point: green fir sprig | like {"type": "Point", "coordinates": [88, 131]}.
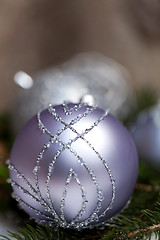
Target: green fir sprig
{"type": "Point", "coordinates": [121, 228]}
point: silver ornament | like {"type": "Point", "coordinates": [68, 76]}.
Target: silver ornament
{"type": "Point", "coordinates": [87, 77]}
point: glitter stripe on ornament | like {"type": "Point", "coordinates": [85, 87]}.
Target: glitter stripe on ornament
{"type": "Point", "coordinates": [75, 120]}
{"type": "Point", "coordinates": [93, 216]}
{"type": "Point", "coordinates": [108, 170]}
{"type": "Point", "coordinates": [68, 111]}
{"type": "Point", "coordinates": [13, 183]}
{"type": "Point", "coordinates": [100, 198]}
{"type": "Point", "coordinates": [22, 202]}
{"type": "Point", "coordinates": [41, 201]}
{"type": "Point", "coordinates": [71, 175]}
{"type": "Point", "coordinates": [35, 171]}
{"type": "Point", "coordinates": [21, 176]}
{"type": "Point", "coordinates": [54, 138]}
{"type": "Point", "coordinates": [58, 118]}
{"type": "Point", "coordinates": [91, 173]}
{"type": "Point", "coordinates": [80, 160]}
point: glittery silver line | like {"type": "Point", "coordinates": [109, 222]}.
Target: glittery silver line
{"type": "Point", "coordinates": [53, 112]}
{"type": "Point", "coordinates": [93, 177]}
{"type": "Point", "coordinates": [95, 181]}
{"type": "Point", "coordinates": [93, 216]}
{"type": "Point", "coordinates": [72, 122]}
{"type": "Point", "coordinates": [50, 174]}
{"type": "Point", "coordinates": [75, 120]}
{"type": "Point", "coordinates": [41, 201]}
{"type": "Point", "coordinates": [36, 169]}
{"type": "Point", "coordinates": [40, 156]}
{"type": "Point", "coordinates": [13, 183]}
{"type": "Point", "coordinates": [91, 173]}
{"type": "Point", "coordinates": [107, 168]}
{"type": "Point", "coordinates": [22, 202]}
{"type": "Point", "coordinates": [68, 111]}
{"type": "Point", "coordinates": [84, 201]}
{"type": "Point", "coordinates": [54, 138]}
{"type": "Point", "coordinates": [21, 176]}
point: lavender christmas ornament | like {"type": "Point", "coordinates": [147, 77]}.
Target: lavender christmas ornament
{"type": "Point", "coordinates": [73, 166]}
{"type": "Point", "coordinates": [146, 133]}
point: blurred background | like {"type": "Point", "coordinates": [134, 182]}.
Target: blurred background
{"type": "Point", "coordinates": [41, 33]}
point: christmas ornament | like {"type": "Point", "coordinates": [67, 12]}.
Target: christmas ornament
{"type": "Point", "coordinates": [88, 77]}
{"type": "Point", "coordinates": [146, 133]}
{"type": "Point", "coordinates": [73, 166]}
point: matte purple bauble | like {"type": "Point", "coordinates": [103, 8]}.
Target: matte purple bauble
{"type": "Point", "coordinates": [73, 166]}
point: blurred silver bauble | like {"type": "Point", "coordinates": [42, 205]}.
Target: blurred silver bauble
{"type": "Point", "coordinates": [146, 133]}
{"type": "Point", "coordinates": [87, 77]}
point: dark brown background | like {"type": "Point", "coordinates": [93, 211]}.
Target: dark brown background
{"type": "Point", "coordinates": [35, 34]}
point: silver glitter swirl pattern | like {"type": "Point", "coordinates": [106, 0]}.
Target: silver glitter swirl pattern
{"type": "Point", "coordinates": [50, 216]}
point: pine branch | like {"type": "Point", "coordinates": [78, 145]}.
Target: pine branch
{"type": "Point", "coordinates": [144, 230]}
{"type": "Point", "coordinates": [136, 228]}
{"type": "Point", "coordinates": [147, 187]}
{"type": "Point", "coordinates": [40, 233]}
{"type": "Point", "coordinates": [121, 228]}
